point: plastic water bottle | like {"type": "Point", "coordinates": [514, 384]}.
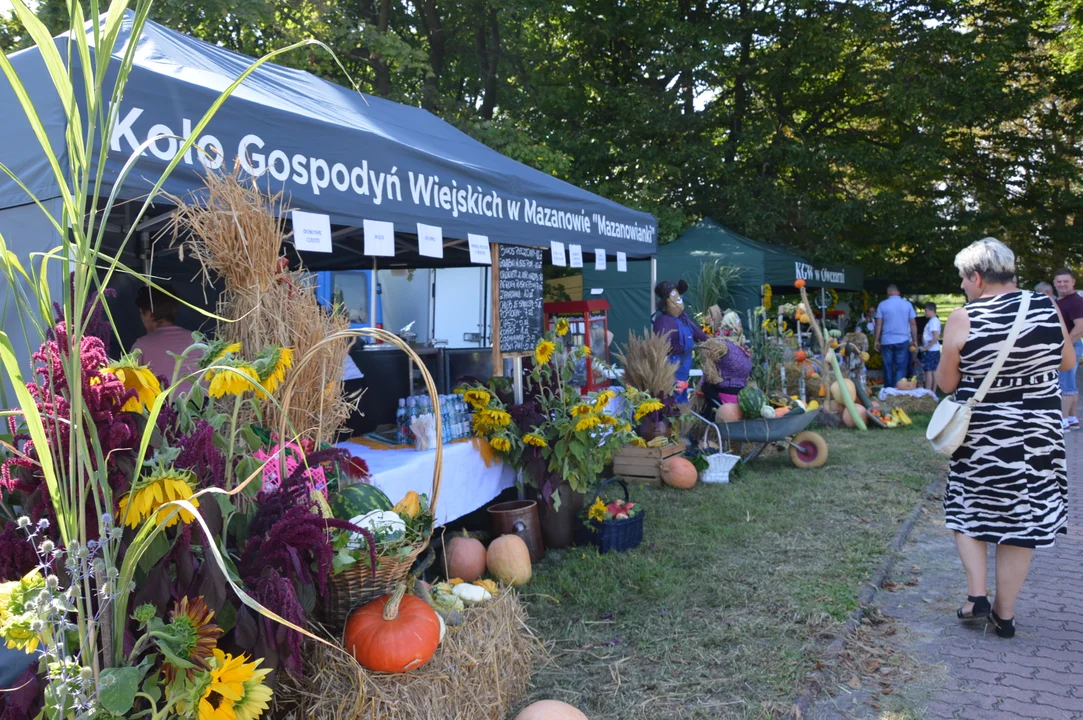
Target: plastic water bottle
{"type": "Point", "coordinates": [464, 419]}
{"type": "Point", "coordinates": [411, 413]}
{"type": "Point", "coordinates": [401, 423]}
{"type": "Point", "coordinates": [445, 418]}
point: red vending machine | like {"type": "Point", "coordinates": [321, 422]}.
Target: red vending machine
{"type": "Point", "coordinates": [588, 325]}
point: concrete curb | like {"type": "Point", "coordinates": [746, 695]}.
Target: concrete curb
{"type": "Point", "coordinates": [814, 682]}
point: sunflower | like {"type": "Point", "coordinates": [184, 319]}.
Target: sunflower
{"type": "Point", "coordinates": [236, 379]}
{"type": "Point", "coordinates": [194, 636]}
{"type": "Point", "coordinates": [236, 690]}
{"type": "Point", "coordinates": [596, 511]}
{"type": "Point", "coordinates": [535, 440]}
{"type": "Point", "coordinates": [218, 350]}
{"type": "Point", "coordinates": [608, 420]}
{"type": "Point", "coordinates": [139, 378]}
{"type": "Point", "coordinates": [646, 408]}
{"type": "Point", "coordinates": [543, 352]}
{"type": "Point", "coordinates": [477, 397]}
{"type": "Point", "coordinates": [499, 418]}
{"type": "Point", "coordinates": [603, 399]}
{"type": "Point", "coordinates": [164, 485]}
{"type": "Point", "coordinates": [581, 410]}
{"type": "Point", "coordinates": [587, 423]}
{"type": "Point", "coordinates": [17, 616]}
{"type": "Point", "coordinates": [584, 350]}
{"type": "Point", "coordinates": [638, 442]}
{"type": "Point", "coordinates": [500, 444]}
{"type": "Point", "coordinates": [272, 364]}
{"type": "Point", "coordinates": [562, 327]}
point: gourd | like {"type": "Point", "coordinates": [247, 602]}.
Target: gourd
{"type": "Point", "coordinates": [767, 412]}
{"type": "Point", "coordinates": [550, 710]}
{"type": "Point", "coordinates": [779, 412]}
{"type": "Point", "coordinates": [394, 633]}
{"type": "Point", "coordinates": [410, 506]}
{"type": "Point", "coordinates": [751, 400]}
{"type": "Point", "coordinates": [799, 283]}
{"type": "Point", "coordinates": [800, 356]}
{"type": "Point", "coordinates": [465, 558]}
{"type": "Point", "coordinates": [906, 385]}
{"type": "Point", "coordinates": [677, 472]}
{"type": "Point", "coordinates": [471, 594]}
{"type": "Point", "coordinates": [509, 560]}
{"type": "Point", "coordinates": [728, 412]}
{"type": "Point", "coordinates": [489, 585]}
{"type": "Point", "coordinates": [358, 499]}
{"type": "Point", "coordinates": [836, 390]}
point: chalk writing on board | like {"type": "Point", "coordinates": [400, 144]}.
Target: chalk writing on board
{"type": "Point", "coordinates": [521, 288]}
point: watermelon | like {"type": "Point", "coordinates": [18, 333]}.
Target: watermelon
{"type": "Point", "coordinates": [358, 499]}
{"type": "Point", "coordinates": [751, 401]}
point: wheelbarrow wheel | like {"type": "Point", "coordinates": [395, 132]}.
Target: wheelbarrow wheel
{"type": "Point", "coordinates": [808, 450]}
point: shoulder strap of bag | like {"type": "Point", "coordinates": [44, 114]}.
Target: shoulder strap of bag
{"type": "Point", "coordinates": [1002, 356]}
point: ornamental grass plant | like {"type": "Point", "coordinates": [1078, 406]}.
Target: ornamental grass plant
{"type": "Point", "coordinates": [162, 579]}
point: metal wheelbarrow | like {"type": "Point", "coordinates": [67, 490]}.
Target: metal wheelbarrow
{"type": "Point", "coordinates": [807, 449]}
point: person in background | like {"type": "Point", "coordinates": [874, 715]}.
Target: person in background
{"type": "Point", "coordinates": [896, 331]}
{"type": "Point", "coordinates": [930, 345]}
{"type": "Point", "coordinates": [1070, 305]}
{"type": "Point", "coordinates": [1008, 482]}
{"type": "Point", "coordinates": [868, 323]}
{"type": "Point", "coordinates": [158, 310]}
{"type": "Point", "coordinates": [1045, 289]}
{"type": "Point", "coordinates": [673, 323]}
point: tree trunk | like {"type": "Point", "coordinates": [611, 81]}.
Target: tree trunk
{"type": "Point", "coordinates": [431, 21]}
{"type": "Point", "coordinates": [740, 88]}
{"type": "Point", "coordinates": [488, 61]}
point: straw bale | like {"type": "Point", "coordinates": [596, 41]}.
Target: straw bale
{"type": "Point", "coordinates": [924, 405]}
{"type": "Point", "coordinates": [236, 232]}
{"type": "Point", "coordinates": [480, 672]}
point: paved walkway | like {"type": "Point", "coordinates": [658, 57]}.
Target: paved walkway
{"type": "Point", "coordinates": [967, 672]}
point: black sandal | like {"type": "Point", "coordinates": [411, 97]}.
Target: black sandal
{"type": "Point", "coordinates": [981, 608]}
{"type": "Point", "coordinates": [1004, 628]}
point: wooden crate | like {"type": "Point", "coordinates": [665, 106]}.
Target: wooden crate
{"type": "Point", "coordinates": [642, 465]}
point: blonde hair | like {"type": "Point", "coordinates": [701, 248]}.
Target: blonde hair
{"type": "Point", "coordinates": [988, 257]}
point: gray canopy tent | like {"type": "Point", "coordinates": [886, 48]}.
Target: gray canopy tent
{"type": "Point", "coordinates": [330, 150]}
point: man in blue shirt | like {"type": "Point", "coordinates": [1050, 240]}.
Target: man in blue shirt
{"type": "Point", "coordinates": [896, 331]}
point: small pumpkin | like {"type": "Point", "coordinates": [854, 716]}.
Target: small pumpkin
{"type": "Point", "coordinates": [848, 419]}
{"type": "Point", "coordinates": [799, 283]}
{"type": "Point", "coordinates": [822, 393]}
{"type": "Point", "coordinates": [509, 560]}
{"type": "Point", "coordinates": [906, 385]}
{"type": "Point", "coordinates": [550, 710]}
{"type": "Point", "coordinates": [489, 585]}
{"type": "Point", "coordinates": [410, 506]}
{"type": "Point", "coordinates": [677, 472]}
{"type": "Point", "coordinates": [728, 412]}
{"type": "Point", "coordinates": [800, 356]}
{"type": "Point", "coordinates": [394, 633]}
{"type": "Point", "coordinates": [779, 412]}
{"type": "Point", "coordinates": [465, 558]}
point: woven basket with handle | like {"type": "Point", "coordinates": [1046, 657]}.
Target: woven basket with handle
{"type": "Point", "coordinates": [356, 584]}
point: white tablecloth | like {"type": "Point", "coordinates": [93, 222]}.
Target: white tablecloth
{"type": "Point", "coordinates": [465, 485]}
{"type": "Point", "coordinates": [885, 393]}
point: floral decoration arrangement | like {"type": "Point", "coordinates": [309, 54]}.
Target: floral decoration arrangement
{"type": "Point", "coordinates": [618, 509]}
{"type": "Point", "coordinates": [556, 435]}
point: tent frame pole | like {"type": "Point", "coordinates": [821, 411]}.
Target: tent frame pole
{"type": "Point", "coordinates": [654, 282]}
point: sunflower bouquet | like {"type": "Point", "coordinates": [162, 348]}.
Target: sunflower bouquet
{"type": "Point", "coordinates": [556, 435]}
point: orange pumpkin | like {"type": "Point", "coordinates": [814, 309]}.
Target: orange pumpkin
{"type": "Point", "coordinates": [799, 283]}
{"type": "Point", "coordinates": [800, 356]}
{"type": "Point", "coordinates": [728, 412]}
{"type": "Point", "coordinates": [822, 393]}
{"type": "Point", "coordinates": [779, 412]}
{"type": "Point", "coordinates": [550, 710]}
{"type": "Point", "coordinates": [679, 473]}
{"type": "Point", "coordinates": [465, 558]}
{"type": "Point", "coordinates": [848, 420]}
{"type": "Point", "coordinates": [394, 633]}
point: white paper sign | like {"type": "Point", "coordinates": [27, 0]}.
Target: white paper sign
{"type": "Point", "coordinates": [379, 238]}
{"type": "Point", "coordinates": [559, 259]}
{"type": "Point", "coordinates": [596, 291]}
{"type": "Point", "coordinates": [622, 262]}
{"type": "Point", "coordinates": [479, 249]}
{"type": "Point", "coordinates": [311, 231]}
{"type": "Point", "coordinates": [599, 259]}
{"type": "Point", "coordinates": [430, 241]}
{"type": "Point", "coordinates": [575, 253]}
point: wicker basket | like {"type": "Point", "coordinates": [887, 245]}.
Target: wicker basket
{"type": "Point", "coordinates": [614, 535]}
{"type": "Point", "coordinates": [356, 585]}
{"type": "Point", "coordinates": [719, 463]}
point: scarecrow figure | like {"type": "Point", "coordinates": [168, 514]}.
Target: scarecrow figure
{"type": "Point", "coordinates": [671, 320]}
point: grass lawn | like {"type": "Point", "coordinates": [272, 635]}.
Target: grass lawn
{"type": "Point", "coordinates": [729, 601]}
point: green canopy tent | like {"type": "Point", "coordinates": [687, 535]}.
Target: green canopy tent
{"type": "Point", "coordinates": [759, 264]}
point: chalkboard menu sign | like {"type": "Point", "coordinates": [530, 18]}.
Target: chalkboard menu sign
{"type": "Point", "coordinates": [520, 298]}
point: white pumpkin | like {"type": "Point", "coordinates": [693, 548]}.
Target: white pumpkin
{"type": "Point", "coordinates": [471, 594]}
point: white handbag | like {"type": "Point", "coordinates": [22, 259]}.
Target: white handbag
{"type": "Point", "coordinates": [948, 426]}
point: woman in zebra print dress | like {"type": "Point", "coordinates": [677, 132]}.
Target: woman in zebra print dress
{"type": "Point", "coordinates": [1007, 484]}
